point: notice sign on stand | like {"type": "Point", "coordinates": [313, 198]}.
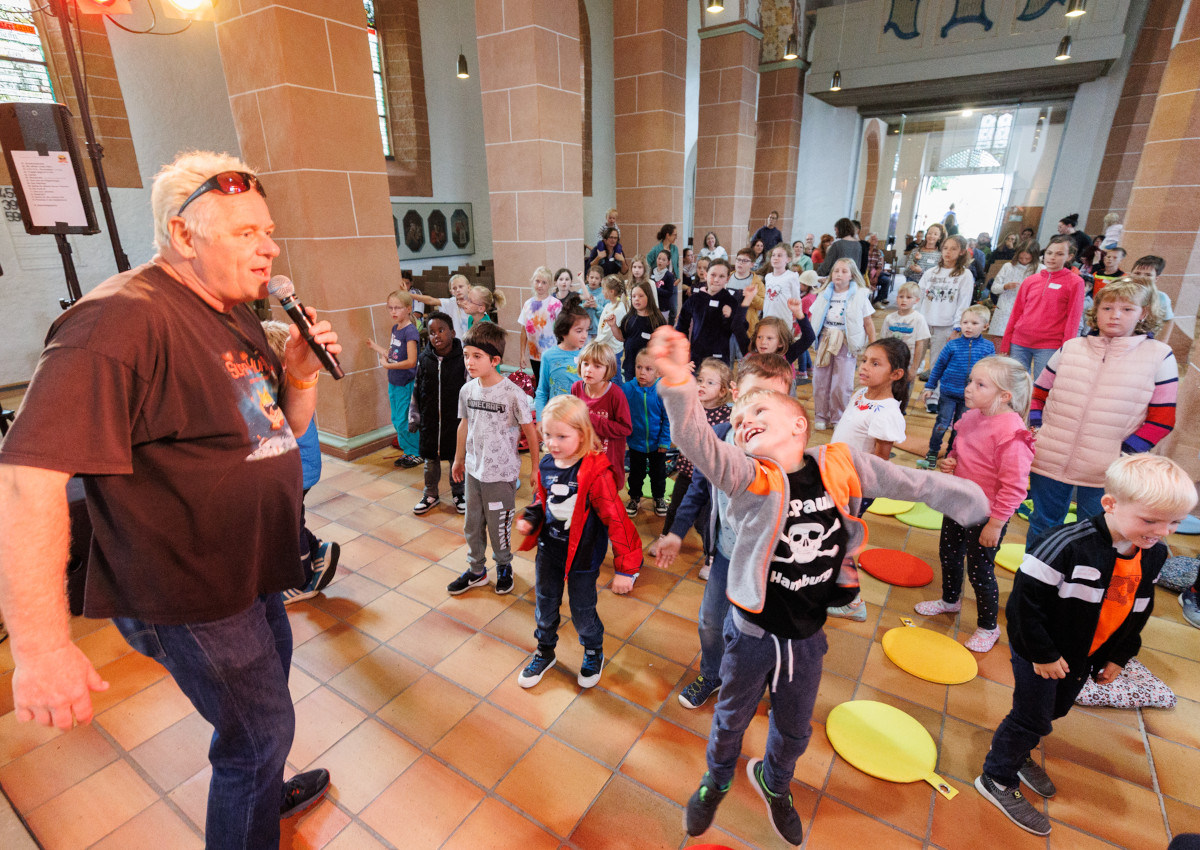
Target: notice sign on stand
{"type": "Point", "coordinates": [51, 189]}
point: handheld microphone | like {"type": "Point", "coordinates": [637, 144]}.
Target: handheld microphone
{"type": "Point", "coordinates": [283, 289]}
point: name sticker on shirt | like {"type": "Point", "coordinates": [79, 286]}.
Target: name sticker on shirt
{"type": "Point", "coordinates": [645, 335]}
{"type": "Point", "coordinates": [560, 489]}
{"type": "Point", "coordinates": [1055, 286]}
{"type": "Point", "coordinates": [714, 303]}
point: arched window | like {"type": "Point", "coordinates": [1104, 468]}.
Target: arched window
{"type": "Point", "coordinates": [987, 131]}
{"type": "Point", "coordinates": [24, 75]}
{"type": "Point", "coordinates": [377, 73]}
{"type": "Point", "coordinates": [1003, 131]}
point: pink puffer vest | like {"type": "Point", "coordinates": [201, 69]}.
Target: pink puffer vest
{"type": "Point", "coordinates": [1100, 394]}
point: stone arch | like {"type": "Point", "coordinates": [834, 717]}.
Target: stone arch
{"type": "Point", "coordinates": [585, 77]}
{"type": "Point", "coordinates": [874, 143]}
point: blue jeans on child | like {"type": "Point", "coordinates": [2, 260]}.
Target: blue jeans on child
{"type": "Point", "coordinates": [714, 606]}
{"type": "Point", "coordinates": [791, 670]}
{"type": "Point", "coordinates": [950, 410]}
{"type": "Point", "coordinates": [580, 585]}
{"type": "Point", "coordinates": [1052, 500]}
{"type": "Point", "coordinates": [1035, 357]}
{"type": "Point", "coordinates": [235, 672]}
{"type": "Point", "coordinates": [1037, 703]}
{"type": "Point", "coordinates": [399, 398]}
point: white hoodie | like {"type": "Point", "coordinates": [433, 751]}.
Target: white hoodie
{"type": "Point", "coordinates": [944, 297]}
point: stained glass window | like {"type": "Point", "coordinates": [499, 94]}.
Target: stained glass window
{"type": "Point", "coordinates": [377, 73]}
{"type": "Point", "coordinates": [23, 72]}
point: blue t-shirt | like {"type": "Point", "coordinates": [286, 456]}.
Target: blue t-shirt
{"type": "Point", "coordinates": [398, 353]}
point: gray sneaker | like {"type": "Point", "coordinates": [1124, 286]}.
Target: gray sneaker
{"type": "Point", "coordinates": [1191, 611]}
{"type": "Point", "coordinates": [1014, 805]}
{"type": "Point", "coordinates": [855, 610]}
{"type": "Point", "coordinates": [1035, 778]}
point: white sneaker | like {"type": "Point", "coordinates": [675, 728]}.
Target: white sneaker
{"type": "Point", "coordinates": [706, 569]}
{"type": "Point", "coordinates": [820, 425]}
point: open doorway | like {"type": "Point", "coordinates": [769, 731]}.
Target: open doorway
{"type": "Point", "coordinates": [978, 200]}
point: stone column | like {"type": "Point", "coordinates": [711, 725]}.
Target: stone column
{"type": "Point", "coordinates": [780, 102]}
{"type": "Point", "coordinates": [305, 116]}
{"type": "Point", "coordinates": [529, 73]}
{"type": "Point", "coordinates": [725, 146]}
{"type": "Point", "coordinates": [650, 47]}
{"type": "Point", "coordinates": [1164, 219]}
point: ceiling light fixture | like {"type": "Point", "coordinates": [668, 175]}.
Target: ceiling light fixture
{"type": "Point", "coordinates": [1064, 49]}
{"type": "Point", "coordinates": [836, 83]}
{"type": "Point", "coordinates": [463, 73]}
{"type": "Point", "coordinates": [1076, 8]}
{"type": "Point", "coordinates": [716, 6]}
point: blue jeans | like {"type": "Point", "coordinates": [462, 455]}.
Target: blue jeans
{"type": "Point", "coordinates": [1052, 500]}
{"type": "Point", "coordinates": [1037, 703]}
{"type": "Point", "coordinates": [950, 410]}
{"type": "Point", "coordinates": [714, 606]}
{"type": "Point", "coordinates": [235, 672]}
{"type": "Point", "coordinates": [751, 663]}
{"type": "Point", "coordinates": [580, 585]}
{"type": "Point", "coordinates": [1035, 357]}
{"type": "Point", "coordinates": [399, 398]}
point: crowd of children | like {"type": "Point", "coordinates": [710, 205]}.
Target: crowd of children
{"type": "Point", "coordinates": [620, 387]}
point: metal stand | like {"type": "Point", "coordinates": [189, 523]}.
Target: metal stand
{"type": "Point", "coordinates": [61, 10]}
{"type": "Point", "coordinates": [73, 291]}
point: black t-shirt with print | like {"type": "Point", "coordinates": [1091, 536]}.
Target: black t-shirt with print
{"type": "Point", "coordinates": [168, 409]}
{"type": "Point", "coordinates": [562, 489]}
{"type": "Point", "coordinates": [802, 578]}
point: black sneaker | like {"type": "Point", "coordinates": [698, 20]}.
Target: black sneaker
{"type": "Point", "coordinates": [408, 461]}
{"type": "Point", "coordinates": [324, 567]}
{"type": "Point", "coordinates": [631, 507]}
{"type": "Point", "coordinates": [460, 504]}
{"type": "Point", "coordinates": [1014, 805]}
{"type": "Point", "coordinates": [661, 506]}
{"type": "Point", "coordinates": [702, 805]}
{"type": "Point", "coordinates": [504, 580]}
{"type": "Point", "coordinates": [589, 670]}
{"type": "Point", "coordinates": [535, 669]}
{"type": "Point", "coordinates": [465, 582]}
{"type": "Point", "coordinates": [698, 692]}
{"type": "Point", "coordinates": [1035, 778]}
{"type": "Point", "coordinates": [303, 791]}
{"type": "Point", "coordinates": [426, 504]}
{"type": "Point", "coordinates": [780, 810]}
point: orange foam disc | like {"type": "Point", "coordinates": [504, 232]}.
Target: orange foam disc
{"type": "Point", "coordinates": [895, 567]}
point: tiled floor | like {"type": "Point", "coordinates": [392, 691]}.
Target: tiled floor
{"type": "Point", "coordinates": [410, 698]}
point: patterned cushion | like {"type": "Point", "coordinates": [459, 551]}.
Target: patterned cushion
{"type": "Point", "coordinates": [1178, 574]}
{"type": "Point", "coordinates": [1136, 687]}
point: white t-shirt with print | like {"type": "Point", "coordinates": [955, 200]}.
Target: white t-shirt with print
{"type": "Point", "coordinates": [867, 420]}
{"type": "Point", "coordinates": [494, 418]}
{"type": "Point", "coordinates": [911, 328]}
{"type": "Point", "coordinates": [777, 290]}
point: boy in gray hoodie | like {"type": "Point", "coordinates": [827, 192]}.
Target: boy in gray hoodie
{"type": "Point", "coordinates": [795, 514]}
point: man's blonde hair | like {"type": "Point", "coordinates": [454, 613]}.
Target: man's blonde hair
{"type": "Point", "coordinates": [1151, 481]}
{"type": "Point", "coordinates": [178, 179]}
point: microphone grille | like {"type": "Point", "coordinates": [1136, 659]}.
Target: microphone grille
{"type": "Point", "coordinates": [281, 287]}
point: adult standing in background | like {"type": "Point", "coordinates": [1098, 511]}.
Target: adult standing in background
{"type": "Point", "coordinates": [667, 237]}
{"type": "Point", "coordinates": [1066, 227]}
{"type": "Point", "coordinates": [950, 222]}
{"type": "Point", "coordinates": [159, 389]}
{"type": "Point", "coordinates": [608, 255]}
{"type": "Point", "coordinates": [768, 233]}
{"type": "Point", "coordinates": [846, 245]}
{"type": "Point", "coordinates": [712, 249]}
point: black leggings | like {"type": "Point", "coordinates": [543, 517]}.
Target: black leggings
{"type": "Point", "coordinates": [957, 542]}
{"type": "Point", "coordinates": [638, 461]}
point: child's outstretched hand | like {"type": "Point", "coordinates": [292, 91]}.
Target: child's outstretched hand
{"type": "Point", "coordinates": [524, 526]}
{"type": "Point", "coordinates": [926, 395]}
{"type": "Point", "coordinates": [948, 465]}
{"type": "Point", "coordinates": [622, 584]}
{"type": "Point", "coordinates": [1110, 672]}
{"type": "Point", "coordinates": [672, 355]}
{"type": "Point", "coordinates": [797, 307]}
{"type": "Point", "coordinates": [668, 551]}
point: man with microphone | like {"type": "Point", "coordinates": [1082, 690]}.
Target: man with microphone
{"type": "Point", "coordinates": [159, 390]}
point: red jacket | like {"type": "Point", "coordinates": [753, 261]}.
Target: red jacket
{"type": "Point", "coordinates": [595, 480]}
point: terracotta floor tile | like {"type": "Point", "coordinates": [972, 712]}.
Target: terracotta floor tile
{"type": "Point", "coordinates": [542, 704]}
{"type": "Point", "coordinates": [672, 637]}
{"type": "Point", "coordinates": [1126, 814]}
{"type": "Point", "coordinates": [980, 701]}
{"type": "Point", "coordinates": [847, 653]}
{"type": "Point", "coordinates": [339, 504]}
{"type": "Point", "coordinates": [903, 805]}
{"type": "Point", "coordinates": [1063, 837]}
{"type": "Point", "coordinates": [146, 713]}
{"type": "Point", "coordinates": [833, 822]}
{"type": "Point", "coordinates": [478, 607]}
{"type": "Point", "coordinates": [1180, 724]}
{"type": "Point", "coordinates": [365, 519]}
{"type": "Point", "coordinates": [348, 594]}
{"type": "Point", "coordinates": [433, 543]}
{"type": "Point", "coordinates": [300, 684]}
{"type": "Point", "coordinates": [364, 762]}
{"type": "Point", "coordinates": [1077, 738]}
{"type": "Point", "coordinates": [153, 829]}
{"type": "Point", "coordinates": [335, 532]}
{"type": "Point", "coordinates": [429, 585]}
{"type": "Point", "coordinates": [550, 764]}
{"type": "Point", "coordinates": [126, 676]}
{"type": "Point", "coordinates": [879, 672]}
{"type": "Point", "coordinates": [486, 743]}
{"type": "Point", "coordinates": [641, 677]}
{"type": "Point", "coordinates": [969, 822]}
{"type": "Point", "coordinates": [497, 827]}
{"type": "Point", "coordinates": [996, 665]}
{"type": "Point", "coordinates": [442, 796]}
{"type": "Point", "coordinates": [80, 626]}
{"type": "Point", "coordinates": [322, 718]}
{"type": "Point", "coordinates": [354, 837]}
{"type": "Point", "coordinates": [625, 817]}
{"type": "Point", "coordinates": [307, 622]}
{"type": "Point", "coordinates": [699, 720]}
{"type": "Point", "coordinates": [90, 810]}
{"type": "Point", "coordinates": [393, 568]}
{"type": "Point", "coordinates": [175, 753]}
{"type": "Point", "coordinates": [834, 690]}
{"type": "Point", "coordinates": [515, 625]}
{"type": "Point", "coordinates": [55, 766]}
{"type": "Point", "coordinates": [684, 600]}
{"type": "Point", "coordinates": [654, 584]}
{"type": "Point", "coordinates": [1178, 768]}
{"type": "Point", "coordinates": [431, 638]}
{"type": "Point", "coordinates": [961, 751]}
{"type": "Point", "coordinates": [384, 617]}
{"type": "Point", "coordinates": [602, 725]}
{"type": "Point", "coordinates": [315, 828]}
{"type": "Point", "coordinates": [402, 528]}
{"type": "Point", "coordinates": [103, 646]}
{"type": "Point", "coordinates": [1181, 674]}
{"type": "Point", "coordinates": [362, 551]}
{"type": "Point", "coordinates": [481, 663]}
{"type": "Point", "coordinates": [427, 709]}
{"type": "Point", "coordinates": [1182, 817]}
{"type": "Point", "coordinates": [621, 615]}
{"type": "Point", "coordinates": [375, 678]}
{"type": "Point", "coordinates": [191, 796]}
{"type": "Point", "coordinates": [332, 651]}
{"type": "Point", "coordinates": [668, 759]}
{"type": "Point", "coordinates": [865, 629]}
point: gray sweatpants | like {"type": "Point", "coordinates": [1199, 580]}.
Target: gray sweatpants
{"type": "Point", "coordinates": [489, 515]}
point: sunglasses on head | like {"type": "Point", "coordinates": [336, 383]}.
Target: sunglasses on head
{"type": "Point", "coordinates": [227, 183]}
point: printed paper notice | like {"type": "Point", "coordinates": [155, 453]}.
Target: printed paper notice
{"type": "Point", "coordinates": [51, 191]}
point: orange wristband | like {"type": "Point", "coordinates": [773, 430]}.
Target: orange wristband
{"type": "Point", "coordinates": [302, 385]}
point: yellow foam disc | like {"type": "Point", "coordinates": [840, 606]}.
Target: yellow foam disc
{"type": "Point", "coordinates": [884, 742]}
{"type": "Point", "coordinates": [921, 516]}
{"type": "Point", "coordinates": [929, 655]}
{"type": "Point", "coordinates": [1010, 556]}
{"type": "Point", "coordinates": [889, 507]}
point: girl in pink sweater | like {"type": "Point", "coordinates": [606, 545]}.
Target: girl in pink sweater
{"type": "Point", "coordinates": [993, 448]}
{"type": "Point", "coordinates": [1048, 308]}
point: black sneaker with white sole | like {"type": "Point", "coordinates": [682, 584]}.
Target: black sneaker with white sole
{"type": "Point", "coordinates": [702, 806]}
{"type": "Point", "coordinates": [302, 792]}
{"type": "Point", "coordinates": [460, 504]}
{"type": "Point", "coordinates": [698, 692]}
{"type": "Point", "coordinates": [465, 582]}
{"type": "Point", "coordinates": [589, 670]}
{"type": "Point", "coordinates": [780, 809]}
{"type": "Point", "coordinates": [426, 504]}
{"type": "Point", "coordinates": [537, 667]}
{"type": "Point", "coordinates": [1013, 804]}
{"type": "Point", "coordinates": [504, 580]}
{"type": "Point", "coordinates": [1036, 779]}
